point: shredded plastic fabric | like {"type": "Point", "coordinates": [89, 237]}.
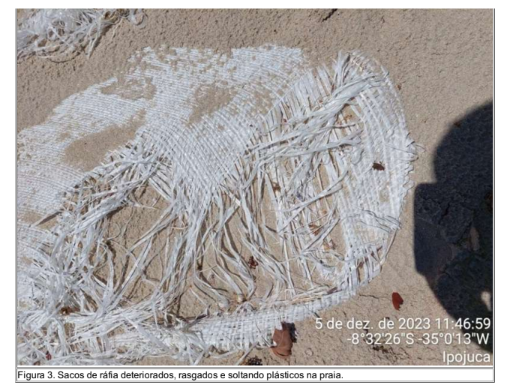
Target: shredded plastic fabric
{"type": "Point", "coordinates": [281, 199]}
{"type": "Point", "coordinates": [59, 34]}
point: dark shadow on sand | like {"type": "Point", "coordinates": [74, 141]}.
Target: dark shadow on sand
{"type": "Point", "coordinates": [453, 221]}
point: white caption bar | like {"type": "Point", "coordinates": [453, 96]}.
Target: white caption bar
{"type": "Point", "coordinates": [253, 374]}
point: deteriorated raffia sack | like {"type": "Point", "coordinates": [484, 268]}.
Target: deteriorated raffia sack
{"type": "Point", "coordinates": [60, 34]}
{"type": "Point", "coordinates": [256, 190]}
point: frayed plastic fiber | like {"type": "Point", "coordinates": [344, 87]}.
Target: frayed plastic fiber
{"type": "Point", "coordinates": [60, 34]}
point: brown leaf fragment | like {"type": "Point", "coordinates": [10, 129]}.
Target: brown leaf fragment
{"type": "Point", "coordinates": [397, 300]}
{"type": "Point", "coordinates": [378, 166]}
{"type": "Point", "coordinates": [283, 341]}
{"type": "Point", "coordinates": [66, 310]}
{"type": "Point", "coordinates": [252, 262]}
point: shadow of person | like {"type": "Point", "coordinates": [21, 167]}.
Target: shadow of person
{"type": "Point", "coordinates": [453, 223]}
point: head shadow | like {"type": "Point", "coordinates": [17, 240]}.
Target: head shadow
{"type": "Point", "coordinates": [453, 222]}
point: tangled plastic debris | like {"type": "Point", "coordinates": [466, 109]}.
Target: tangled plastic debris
{"type": "Point", "coordinates": [278, 197]}
{"type": "Point", "coordinates": [59, 34]}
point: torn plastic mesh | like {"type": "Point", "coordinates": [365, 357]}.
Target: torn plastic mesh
{"type": "Point", "coordinates": [60, 34]}
{"type": "Point", "coordinates": [279, 198]}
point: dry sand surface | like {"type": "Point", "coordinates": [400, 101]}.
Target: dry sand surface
{"type": "Point", "coordinates": [442, 64]}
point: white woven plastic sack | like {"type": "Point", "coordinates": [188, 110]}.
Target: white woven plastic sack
{"type": "Point", "coordinates": [258, 189]}
{"type": "Point", "coordinates": [60, 34]}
